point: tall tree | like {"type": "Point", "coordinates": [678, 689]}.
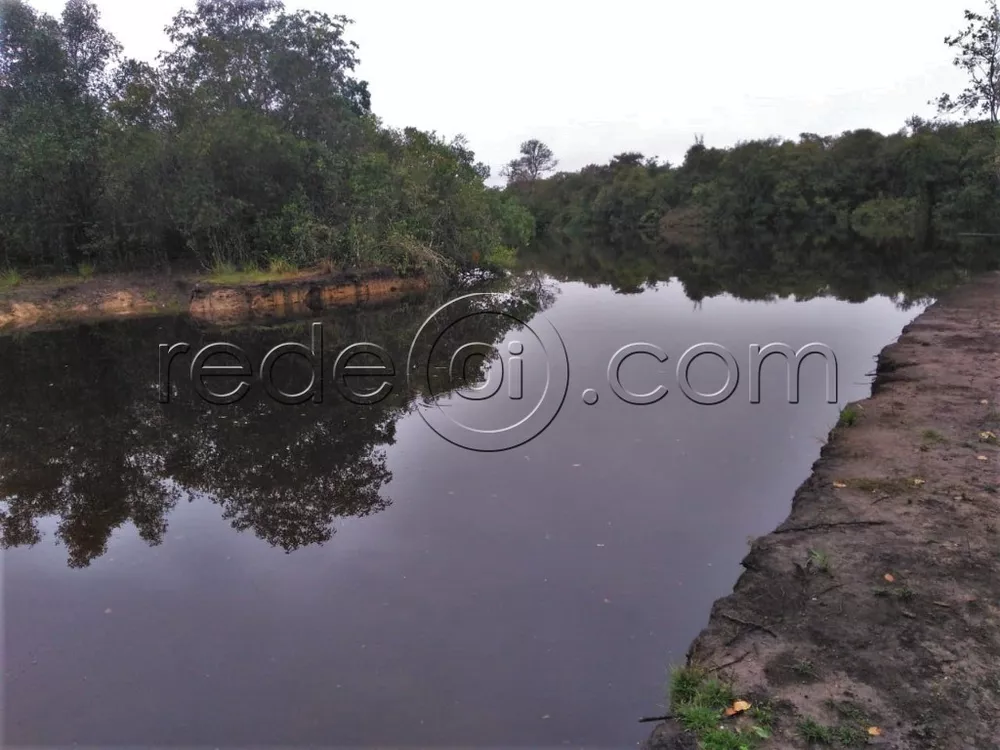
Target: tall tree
{"type": "Point", "coordinates": [978, 54]}
{"type": "Point", "coordinates": [536, 160]}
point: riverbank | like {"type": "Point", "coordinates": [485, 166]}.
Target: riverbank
{"type": "Point", "coordinates": [872, 614]}
{"type": "Point", "coordinates": [56, 301]}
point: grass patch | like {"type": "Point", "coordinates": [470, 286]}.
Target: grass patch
{"type": "Point", "coordinates": [903, 593]}
{"type": "Point", "coordinates": [698, 703]}
{"type": "Point", "coordinates": [842, 735]}
{"type": "Point", "coordinates": [10, 278]}
{"type": "Point", "coordinates": [280, 266]}
{"type": "Point", "coordinates": [86, 270]}
{"type": "Point", "coordinates": [804, 668]}
{"type": "Point", "coordinates": [223, 272]}
{"type": "Point", "coordinates": [849, 416]}
{"type": "Point", "coordinates": [819, 560]}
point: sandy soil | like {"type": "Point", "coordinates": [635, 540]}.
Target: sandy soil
{"type": "Point", "coordinates": [53, 302]}
{"type": "Point", "coordinates": [879, 597]}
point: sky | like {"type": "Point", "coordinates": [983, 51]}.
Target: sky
{"type": "Point", "coordinates": [593, 80]}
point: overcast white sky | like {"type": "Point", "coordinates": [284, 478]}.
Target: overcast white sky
{"type": "Point", "coordinates": [593, 80]}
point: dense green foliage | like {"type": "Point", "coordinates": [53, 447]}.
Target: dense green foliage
{"type": "Point", "coordinates": [829, 204]}
{"type": "Point", "coordinates": [251, 143]}
{"type": "Point", "coordinates": [249, 140]}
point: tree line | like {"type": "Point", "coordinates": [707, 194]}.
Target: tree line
{"type": "Point", "coordinates": [924, 191]}
{"type": "Point", "coordinates": [249, 142]}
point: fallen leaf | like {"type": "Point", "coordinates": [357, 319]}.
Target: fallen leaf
{"type": "Point", "coordinates": [874, 731]}
{"type": "Point", "coordinates": [984, 402]}
{"type": "Point", "coordinates": [730, 711]}
{"type": "Point", "coordinates": [981, 458]}
{"type": "Point", "coordinates": [889, 577]}
{"type": "Point", "coordinates": [739, 706]}
{"type": "Point", "coordinates": [919, 482]}
{"type": "Point", "coordinates": [839, 485]}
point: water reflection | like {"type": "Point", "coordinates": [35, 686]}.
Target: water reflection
{"type": "Point", "coordinates": [850, 272]}
{"type": "Point", "coordinates": [85, 440]}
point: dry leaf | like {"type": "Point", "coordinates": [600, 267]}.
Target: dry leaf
{"type": "Point", "coordinates": [987, 436]}
{"type": "Point", "coordinates": [984, 402]}
{"type": "Point", "coordinates": [839, 485]}
{"type": "Point", "coordinates": [741, 706]}
{"type": "Point", "coordinates": [874, 731]}
{"type": "Point", "coordinates": [729, 711]}
{"type": "Point", "coordinates": [889, 577]}
{"type": "Point", "coordinates": [919, 482]}
{"type": "Point", "coordinates": [981, 458]}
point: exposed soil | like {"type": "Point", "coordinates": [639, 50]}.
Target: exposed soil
{"type": "Point", "coordinates": [879, 597]}
{"type": "Point", "coordinates": [58, 301]}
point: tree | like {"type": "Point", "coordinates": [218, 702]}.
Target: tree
{"type": "Point", "coordinates": [536, 160]}
{"type": "Point", "coordinates": [978, 54]}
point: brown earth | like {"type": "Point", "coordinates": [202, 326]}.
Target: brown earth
{"type": "Point", "coordinates": [879, 597]}
{"type": "Point", "coordinates": [51, 302]}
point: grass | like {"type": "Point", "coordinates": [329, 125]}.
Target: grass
{"type": "Point", "coordinates": [223, 272]}
{"type": "Point", "coordinates": [849, 416]}
{"type": "Point", "coordinates": [280, 265]}
{"type": "Point", "coordinates": [86, 270]}
{"type": "Point", "coordinates": [842, 735]}
{"type": "Point", "coordinates": [903, 593]}
{"type": "Point", "coordinates": [819, 560]}
{"type": "Point", "coordinates": [804, 668]}
{"type": "Point", "coordinates": [10, 278]}
{"type": "Point", "coordinates": [698, 702]}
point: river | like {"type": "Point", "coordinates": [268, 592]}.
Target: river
{"type": "Point", "coordinates": [344, 574]}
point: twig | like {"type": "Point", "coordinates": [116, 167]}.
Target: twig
{"type": "Point", "coordinates": [646, 719]}
{"type": "Point", "coordinates": [827, 590]}
{"type": "Point", "coordinates": [812, 526]}
{"type": "Point", "coordinates": [748, 624]}
{"type": "Point", "coordinates": [730, 663]}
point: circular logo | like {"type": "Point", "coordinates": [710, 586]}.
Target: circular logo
{"type": "Point", "coordinates": [490, 382]}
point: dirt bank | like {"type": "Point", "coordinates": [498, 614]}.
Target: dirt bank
{"type": "Point", "coordinates": [872, 614]}
{"type": "Point", "coordinates": [62, 300]}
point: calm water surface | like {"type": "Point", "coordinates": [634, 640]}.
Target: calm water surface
{"type": "Point", "coordinates": [339, 575]}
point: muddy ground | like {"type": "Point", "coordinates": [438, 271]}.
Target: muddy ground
{"type": "Point", "coordinates": [56, 301]}
{"type": "Point", "coordinates": [878, 600]}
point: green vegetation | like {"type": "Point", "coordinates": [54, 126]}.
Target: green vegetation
{"type": "Point", "coordinates": [9, 278]}
{"type": "Point", "coordinates": [804, 668]}
{"type": "Point", "coordinates": [933, 436]}
{"type": "Point", "coordinates": [699, 704]}
{"type": "Point", "coordinates": [819, 560]}
{"type": "Point", "coordinates": [850, 731]}
{"type": "Point", "coordinates": [839, 736]}
{"type": "Point", "coordinates": [250, 143]}
{"type": "Point", "coordinates": [848, 416]}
